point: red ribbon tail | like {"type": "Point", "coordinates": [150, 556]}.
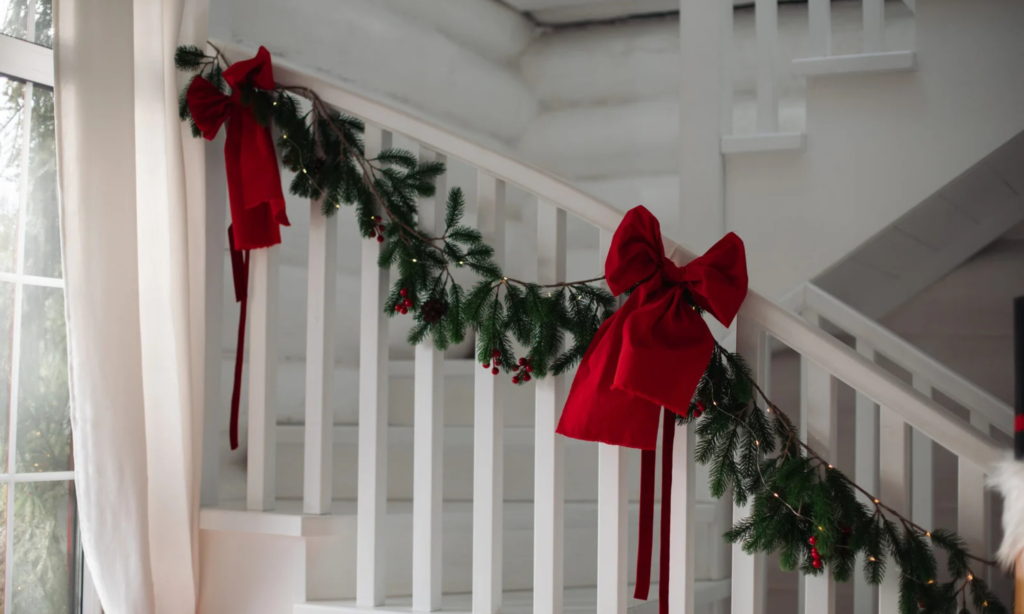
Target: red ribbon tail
{"type": "Point", "coordinates": [645, 545]}
{"type": "Point", "coordinates": [240, 273]}
{"type": "Point", "coordinates": [668, 436]}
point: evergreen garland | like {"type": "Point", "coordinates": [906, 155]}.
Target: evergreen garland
{"type": "Point", "coordinates": [802, 506]}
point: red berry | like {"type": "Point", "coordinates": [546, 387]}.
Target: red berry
{"type": "Point", "coordinates": [380, 238]}
{"type": "Point", "coordinates": [815, 555]}
{"type": "Point", "coordinates": [404, 292]}
{"type": "Point", "coordinates": [381, 228]}
{"type": "Point", "coordinates": [522, 361]}
{"type": "Point", "coordinates": [697, 413]}
{"type": "Point", "coordinates": [496, 353]}
{"type": "Point", "coordinates": [487, 365]}
{"type": "Point", "coordinates": [398, 307]}
{"type": "Point", "coordinates": [515, 379]}
{"type": "Point", "coordinates": [497, 360]}
{"type": "Point", "coordinates": [816, 563]}
{"type": "Point", "coordinates": [407, 303]}
{"type": "Point", "coordinates": [813, 541]}
{"type": "Point", "coordinates": [495, 370]}
{"type": "Point", "coordinates": [373, 234]}
{"type": "Point", "coordinates": [529, 369]}
{"type": "Point", "coordinates": [405, 310]}
{"type": "Point", "coordinates": [920, 604]}
{"type": "Point", "coordinates": [526, 377]}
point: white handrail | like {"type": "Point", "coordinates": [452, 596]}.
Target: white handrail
{"type": "Point", "coordinates": [884, 388]}
{"type": "Point", "coordinates": [906, 355]}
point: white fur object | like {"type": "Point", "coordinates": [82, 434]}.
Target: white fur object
{"type": "Point", "coordinates": [1008, 479]}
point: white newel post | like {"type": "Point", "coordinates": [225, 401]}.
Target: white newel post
{"type": "Point", "coordinates": [894, 487]}
{"type": "Point", "coordinates": [488, 432]}
{"type": "Point", "coordinates": [749, 571]}
{"type": "Point", "coordinates": [612, 511]}
{"type": "Point", "coordinates": [865, 473]}
{"type": "Point", "coordinates": [371, 544]}
{"type": "Point", "coordinates": [549, 450]}
{"type": "Point", "coordinates": [428, 434]}
{"type": "Point", "coordinates": [320, 314]}
{"type": "Point", "coordinates": [262, 461]}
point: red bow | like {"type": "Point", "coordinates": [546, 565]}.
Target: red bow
{"type": "Point", "coordinates": [650, 354]}
{"type": "Point", "coordinates": [254, 182]}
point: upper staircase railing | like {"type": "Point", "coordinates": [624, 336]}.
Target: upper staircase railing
{"type": "Point", "coordinates": [891, 407]}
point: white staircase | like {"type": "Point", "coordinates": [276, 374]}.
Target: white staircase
{"type": "Point", "coordinates": [343, 441]}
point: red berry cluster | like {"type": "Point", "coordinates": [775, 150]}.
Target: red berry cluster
{"type": "Point", "coordinates": [815, 555]}
{"type": "Point", "coordinates": [523, 371]}
{"type": "Point", "coordinates": [497, 362]}
{"type": "Point", "coordinates": [403, 305]}
{"type": "Point", "coordinates": [379, 231]}
{"type": "Point", "coordinates": [699, 410]}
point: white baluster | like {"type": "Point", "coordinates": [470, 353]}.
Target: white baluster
{"type": "Point", "coordinates": [320, 313]}
{"type": "Point", "coordinates": [488, 427]}
{"type": "Point", "coordinates": [214, 405]}
{"type": "Point", "coordinates": [682, 540]}
{"type": "Point", "coordinates": [612, 511]}
{"type": "Point", "coordinates": [549, 452]}
{"type": "Point", "coordinates": [922, 499]}
{"type": "Point", "coordinates": [893, 490]}
{"type": "Point", "coordinates": [874, 25]}
{"type": "Point", "coordinates": [261, 477]}
{"type": "Point", "coordinates": [749, 571]}
{"type": "Point", "coordinates": [428, 434]}
{"type": "Point", "coordinates": [974, 519]}
{"type": "Point", "coordinates": [819, 19]}
{"type": "Point", "coordinates": [767, 27]}
{"type": "Point", "coordinates": [819, 428]}
{"type": "Point", "coordinates": [728, 69]}
{"type": "Point", "coordinates": [865, 597]}
{"type": "Point", "coordinates": [373, 414]}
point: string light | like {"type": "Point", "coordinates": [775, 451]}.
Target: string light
{"type": "Point", "coordinates": [831, 467]}
{"type": "Point", "coordinates": [877, 501]}
{"type": "Point", "coordinates": [927, 533]}
{"type": "Point", "coordinates": [970, 577]}
{"type": "Point", "coordinates": [414, 260]}
{"type": "Point", "coordinates": [872, 559]}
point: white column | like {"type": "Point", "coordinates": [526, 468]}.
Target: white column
{"type": "Point", "coordinates": [701, 169]}
{"type": "Point", "coordinates": [428, 435]}
{"type": "Point", "coordinates": [549, 452]}
{"type": "Point", "coordinates": [865, 472]}
{"type": "Point", "coordinates": [371, 545]}
{"type": "Point", "coordinates": [749, 571]}
{"type": "Point", "coordinates": [318, 466]}
{"type": "Point", "coordinates": [767, 28]}
{"type": "Point", "coordinates": [215, 406]}
{"type": "Point", "coordinates": [894, 489]}
{"type": "Point", "coordinates": [488, 427]}
{"type": "Point", "coordinates": [262, 461]}
{"type": "Point", "coordinates": [819, 428]}
{"type": "Point", "coordinates": [874, 25]}
{"type": "Point", "coordinates": [682, 546]}
{"type": "Point", "coordinates": [922, 499]}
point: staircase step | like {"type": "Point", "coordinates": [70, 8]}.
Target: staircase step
{"type": "Point", "coordinates": [857, 63]}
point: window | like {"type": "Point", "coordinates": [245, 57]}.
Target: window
{"type": "Point", "coordinates": [40, 560]}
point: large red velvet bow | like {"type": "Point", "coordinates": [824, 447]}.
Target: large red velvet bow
{"type": "Point", "coordinates": [650, 354]}
{"type": "Point", "coordinates": [254, 182]}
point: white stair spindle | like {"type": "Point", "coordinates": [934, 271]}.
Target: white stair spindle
{"type": "Point", "coordinates": [682, 539]}
{"type": "Point", "coordinates": [428, 434]}
{"type": "Point", "coordinates": [874, 25]}
{"type": "Point", "coordinates": [749, 571]}
{"type": "Point", "coordinates": [612, 511]}
{"type": "Point", "coordinates": [819, 428]}
{"type": "Point", "coordinates": [549, 449]}
{"type": "Point", "coordinates": [320, 313]}
{"type": "Point", "coordinates": [216, 242]}
{"type": "Point", "coordinates": [728, 69]}
{"type": "Point", "coordinates": [488, 438]}
{"type": "Point", "coordinates": [893, 489]}
{"type": "Point", "coordinates": [819, 19]}
{"type": "Point", "coordinates": [922, 499]}
{"type": "Point", "coordinates": [972, 509]}
{"type": "Point", "coordinates": [767, 28]}
{"type": "Point", "coordinates": [371, 543]}
{"type": "Point", "coordinates": [260, 476]}
{"type": "Point", "coordinates": [865, 471]}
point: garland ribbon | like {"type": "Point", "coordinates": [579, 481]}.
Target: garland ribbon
{"type": "Point", "coordinates": [254, 181]}
{"type": "Point", "coordinates": [649, 355]}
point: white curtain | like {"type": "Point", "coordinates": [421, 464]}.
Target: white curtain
{"type": "Point", "coordinates": [132, 229]}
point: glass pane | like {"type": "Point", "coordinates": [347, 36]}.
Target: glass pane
{"type": "Point", "coordinates": [6, 339]}
{"type": "Point", "coordinates": [42, 229]}
{"type": "Point", "coordinates": [30, 20]}
{"type": "Point", "coordinates": [42, 560]}
{"type": "Point", "coordinates": [12, 101]}
{"type": "Point", "coordinates": [44, 417]}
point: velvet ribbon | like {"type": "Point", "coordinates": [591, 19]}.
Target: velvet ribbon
{"type": "Point", "coordinates": [254, 181]}
{"type": "Point", "coordinates": [649, 355]}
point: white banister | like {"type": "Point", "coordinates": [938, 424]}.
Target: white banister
{"type": "Point", "coordinates": [488, 426]}
{"type": "Point", "coordinates": [428, 434]}
{"type": "Point", "coordinates": [549, 448]}
{"type": "Point", "coordinates": [874, 25]}
{"type": "Point", "coordinates": [819, 428]}
{"type": "Point", "coordinates": [819, 20]}
{"type": "Point", "coordinates": [865, 473]}
{"type": "Point", "coordinates": [894, 488]}
{"type": "Point", "coordinates": [612, 509]}
{"type": "Point", "coordinates": [262, 460]}
{"type": "Point", "coordinates": [371, 563]}
{"type": "Point", "coordinates": [318, 466]}
{"type": "Point", "coordinates": [767, 30]}
{"type": "Point", "coordinates": [749, 571]}
{"type": "Point", "coordinates": [922, 498]}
